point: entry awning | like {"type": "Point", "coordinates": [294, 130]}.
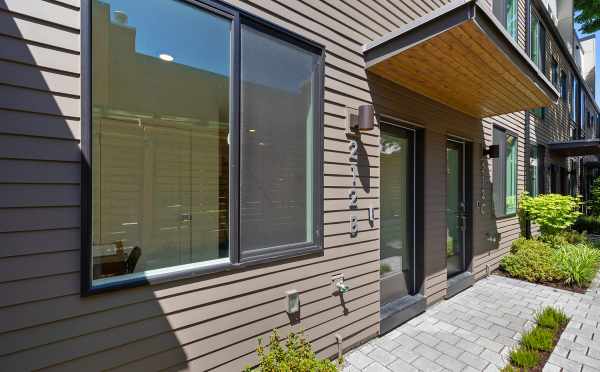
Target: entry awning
{"type": "Point", "coordinates": [575, 147]}
{"type": "Point", "coordinates": [461, 56]}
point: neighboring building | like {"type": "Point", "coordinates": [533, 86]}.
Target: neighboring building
{"type": "Point", "coordinates": [175, 175]}
{"type": "Point", "coordinates": [588, 67]}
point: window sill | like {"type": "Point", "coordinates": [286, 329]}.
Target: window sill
{"type": "Point", "coordinates": [196, 270]}
{"type": "Point", "coordinates": [506, 216]}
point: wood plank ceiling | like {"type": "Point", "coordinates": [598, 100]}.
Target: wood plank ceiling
{"type": "Point", "coordinates": [464, 69]}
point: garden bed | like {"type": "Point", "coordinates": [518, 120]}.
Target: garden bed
{"type": "Point", "coordinates": [566, 261]}
{"type": "Point", "coordinates": [537, 345]}
{"type": "Point", "coordinates": [557, 285]}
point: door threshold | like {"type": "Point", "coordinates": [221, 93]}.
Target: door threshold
{"type": "Point", "coordinates": [399, 311]}
{"type": "Point", "coordinates": [459, 283]}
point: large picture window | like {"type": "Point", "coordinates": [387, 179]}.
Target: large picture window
{"type": "Point", "coordinates": [203, 141]}
{"type": "Point", "coordinates": [505, 173]}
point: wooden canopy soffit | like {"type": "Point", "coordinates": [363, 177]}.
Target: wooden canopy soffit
{"type": "Point", "coordinates": [461, 56]}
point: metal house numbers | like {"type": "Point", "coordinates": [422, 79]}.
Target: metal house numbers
{"type": "Point", "coordinates": [353, 195]}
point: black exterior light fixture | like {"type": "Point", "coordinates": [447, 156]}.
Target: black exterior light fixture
{"type": "Point", "coordinates": [366, 118]}
{"type": "Point", "coordinates": [492, 151]}
{"type": "Point", "coordinates": [361, 120]}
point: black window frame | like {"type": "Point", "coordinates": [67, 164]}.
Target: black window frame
{"type": "Point", "coordinates": [275, 254]}
{"type": "Point", "coordinates": [499, 173]}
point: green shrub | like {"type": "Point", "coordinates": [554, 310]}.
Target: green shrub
{"type": "Point", "coordinates": [531, 260]}
{"type": "Point", "coordinates": [541, 339]}
{"type": "Point", "coordinates": [577, 263]}
{"type": "Point", "coordinates": [524, 358]}
{"type": "Point", "coordinates": [564, 238]}
{"type": "Point", "coordinates": [590, 224]}
{"type": "Point", "coordinates": [551, 318]}
{"type": "Point", "coordinates": [297, 356]}
{"type": "Point", "coordinates": [594, 202]}
{"type": "Point", "coordinates": [552, 212]}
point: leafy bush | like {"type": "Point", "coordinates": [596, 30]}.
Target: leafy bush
{"type": "Point", "coordinates": [552, 212]}
{"type": "Point", "coordinates": [524, 358]}
{"type": "Point", "coordinates": [590, 224]}
{"type": "Point", "coordinates": [565, 238]}
{"type": "Point", "coordinates": [541, 339]}
{"type": "Point", "coordinates": [552, 259]}
{"type": "Point", "coordinates": [531, 260]}
{"type": "Point", "coordinates": [594, 202]}
{"type": "Point", "coordinates": [297, 356]}
{"type": "Point", "coordinates": [577, 263]}
{"type": "Point", "coordinates": [551, 318]}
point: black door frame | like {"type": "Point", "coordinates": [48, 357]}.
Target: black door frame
{"type": "Point", "coordinates": [467, 190]}
{"type": "Point", "coordinates": [412, 199]}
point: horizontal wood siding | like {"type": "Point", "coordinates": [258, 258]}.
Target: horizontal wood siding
{"type": "Point", "coordinates": [201, 323]}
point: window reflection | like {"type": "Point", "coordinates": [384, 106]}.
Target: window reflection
{"type": "Point", "coordinates": [277, 124]}
{"type": "Point", "coordinates": [160, 100]}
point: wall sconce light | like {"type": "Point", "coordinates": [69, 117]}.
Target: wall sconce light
{"type": "Point", "coordinates": [492, 151]}
{"type": "Point", "coordinates": [362, 119]}
{"type": "Point", "coordinates": [366, 117]}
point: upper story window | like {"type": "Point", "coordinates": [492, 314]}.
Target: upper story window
{"type": "Point", "coordinates": [554, 72]}
{"type": "Point", "coordinates": [206, 141]}
{"type": "Point", "coordinates": [506, 12]}
{"type": "Point", "coordinates": [505, 173]}
{"type": "Point", "coordinates": [574, 93]}
{"type": "Point", "coordinates": [564, 87]}
{"type": "Point", "coordinates": [536, 40]}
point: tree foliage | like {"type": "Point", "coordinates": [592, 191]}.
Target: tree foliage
{"type": "Point", "coordinates": [552, 212]}
{"type": "Point", "coordinates": [594, 202]}
{"type": "Point", "coordinates": [588, 15]}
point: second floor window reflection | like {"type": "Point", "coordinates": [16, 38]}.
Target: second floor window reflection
{"type": "Point", "coordinates": [536, 40]}
{"type": "Point", "coordinates": [506, 12]}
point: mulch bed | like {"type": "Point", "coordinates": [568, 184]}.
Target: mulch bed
{"type": "Point", "coordinates": [557, 285]}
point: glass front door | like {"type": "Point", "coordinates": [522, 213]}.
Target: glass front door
{"type": "Point", "coordinates": [397, 222]}
{"type": "Point", "coordinates": [455, 207]}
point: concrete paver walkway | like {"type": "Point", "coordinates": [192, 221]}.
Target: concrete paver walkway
{"type": "Point", "coordinates": [476, 329]}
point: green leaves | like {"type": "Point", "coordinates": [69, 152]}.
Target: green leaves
{"type": "Point", "coordinates": [297, 356]}
{"type": "Point", "coordinates": [577, 263]}
{"type": "Point", "coordinates": [551, 318]}
{"type": "Point", "coordinates": [594, 202]}
{"type": "Point", "coordinates": [531, 260]}
{"type": "Point", "coordinates": [552, 212]}
{"type": "Point", "coordinates": [552, 259]}
{"type": "Point", "coordinates": [588, 15]}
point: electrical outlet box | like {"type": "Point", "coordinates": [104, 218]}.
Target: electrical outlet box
{"type": "Point", "coordinates": [292, 300]}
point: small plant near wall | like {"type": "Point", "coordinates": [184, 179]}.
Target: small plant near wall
{"type": "Point", "coordinates": [296, 356]}
{"type": "Point", "coordinates": [552, 212]}
{"type": "Point", "coordinates": [537, 344]}
{"type": "Point", "coordinates": [384, 269]}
